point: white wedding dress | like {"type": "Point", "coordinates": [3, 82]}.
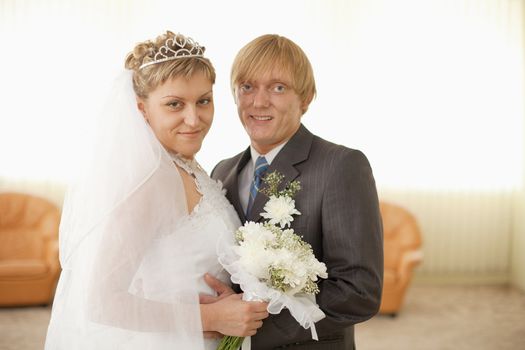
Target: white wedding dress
{"type": "Point", "coordinates": [170, 272]}
{"type": "Point", "coordinates": [132, 257]}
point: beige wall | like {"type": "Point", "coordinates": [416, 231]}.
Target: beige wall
{"type": "Point", "coordinates": [518, 241]}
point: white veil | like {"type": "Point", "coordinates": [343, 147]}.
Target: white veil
{"type": "Point", "coordinates": [112, 293]}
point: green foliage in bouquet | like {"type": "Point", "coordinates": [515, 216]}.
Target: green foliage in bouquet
{"type": "Point", "coordinates": [273, 180]}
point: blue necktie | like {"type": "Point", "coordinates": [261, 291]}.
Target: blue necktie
{"type": "Point", "coordinates": [261, 165]}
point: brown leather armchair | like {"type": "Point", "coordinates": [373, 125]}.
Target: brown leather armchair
{"type": "Point", "coordinates": [402, 242]}
{"type": "Point", "coordinates": [29, 265]}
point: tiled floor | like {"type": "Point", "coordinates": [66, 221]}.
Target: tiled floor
{"type": "Point", "coordinates": [440, 318]}
{"type": "Point", "coordinates": [443, 318]}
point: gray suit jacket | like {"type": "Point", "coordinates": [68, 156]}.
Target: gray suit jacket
{"type": "Point", "coordinates": [341, 220]}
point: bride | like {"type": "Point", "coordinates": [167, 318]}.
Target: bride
{"type": "Point", "coordinates": [139, 229]}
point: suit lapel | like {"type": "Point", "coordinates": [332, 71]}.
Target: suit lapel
{"type": "Point", "coordinates": [294, 152]}
{"type": "Point", "coordinates": [231, 183]}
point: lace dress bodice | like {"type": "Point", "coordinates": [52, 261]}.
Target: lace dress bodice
{"type": "Point", "coordinates": [211, 218]}
{"type": "Point", "coordinates": [195, 239]}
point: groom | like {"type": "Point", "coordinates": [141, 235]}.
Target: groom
{"type": "Point", "coordinates": [273, 85]}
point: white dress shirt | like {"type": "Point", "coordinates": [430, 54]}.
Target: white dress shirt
{"type": "Point", "coordinates": [246, 175]}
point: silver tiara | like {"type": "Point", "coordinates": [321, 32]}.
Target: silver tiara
{"type": "Point", "coordinates": [175, 48]}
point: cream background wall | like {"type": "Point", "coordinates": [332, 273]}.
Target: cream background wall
{"type": "Point", "coordinates": [518, 238]}
{"type": "Point", "coordinates": [431, 91]}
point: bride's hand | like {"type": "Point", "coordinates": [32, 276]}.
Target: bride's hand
{"type": "Point", "coordinates": [223, 290]}
{"type": "Point", "coordinates": [233, 316]}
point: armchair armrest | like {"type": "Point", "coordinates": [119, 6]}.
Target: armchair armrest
{"type": "Point", "coordinates": [49, 224]}
{"type": "Point", "coordinates": [51, 255]}
{"type": "Point", "coordinates": [410, 259]}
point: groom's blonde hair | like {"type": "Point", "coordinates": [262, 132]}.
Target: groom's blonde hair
{"type": "Point", "coordinates": [264, 53]}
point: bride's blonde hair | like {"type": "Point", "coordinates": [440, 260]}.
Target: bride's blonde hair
{"type": "Point", "coordinates": [146, 79]}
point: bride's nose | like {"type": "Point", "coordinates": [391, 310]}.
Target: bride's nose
{"type": "Point", "coordinates": [191, 118]}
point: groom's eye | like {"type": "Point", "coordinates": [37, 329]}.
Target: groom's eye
{"type": "Point", "coordinates": [245, 87]}
{"type": "Point", "coordinates": [279, 88]}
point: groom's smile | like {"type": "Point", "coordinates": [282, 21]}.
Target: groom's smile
{"type": "Point", "coordinates": [261, 118]}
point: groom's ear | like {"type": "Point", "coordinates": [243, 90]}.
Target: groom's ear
{"type": "Point", "coordinates": [306, 103]}
{"type": "Point", "coordinates": [235, 96]}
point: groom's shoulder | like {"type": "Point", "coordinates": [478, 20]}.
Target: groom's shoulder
{"type": "Point", "coordinates": [226, 165]}
{"type": "Point", "coordinates": [228, 162]}
{"type": "Point", "coordinates": [332, 152]}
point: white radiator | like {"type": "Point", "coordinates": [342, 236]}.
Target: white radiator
{"type": "Point", "coordinates": [464, 233]}
{"type": "Point", "coordinates": [52, 191]}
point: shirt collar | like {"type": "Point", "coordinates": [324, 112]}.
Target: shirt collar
{"type": "Point", "coordinates": [270, 156]}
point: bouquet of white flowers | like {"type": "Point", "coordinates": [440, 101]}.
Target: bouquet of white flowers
{"type": "Point", "coordinates": [272, 263]}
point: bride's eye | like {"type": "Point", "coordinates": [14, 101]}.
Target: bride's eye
{"type": "Point", "coordinates": [174, 104]}
{"type": "Point", "coordinates": [204, 101]}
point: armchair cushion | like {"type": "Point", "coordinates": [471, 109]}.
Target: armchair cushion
{"type": "Point", "coordinates": [22, 269]}
{"type": "Point", "coordinates": [402, 242]}
{"type": "Point", "coordinates": [29, 265]}
{"type": "Point", "coordinates": [20, 243]}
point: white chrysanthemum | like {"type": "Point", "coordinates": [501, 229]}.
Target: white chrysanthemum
{"type": "Point", "coordinates": [255, 259]}
{"type": "Point", "coordinates": [290, 269]}
{"type": "Point", "coordinates": [279, 210]}
{"type": "Point", "coordinates": [252, 231]}
{"type": "Point", "coordinates": [317, 268]}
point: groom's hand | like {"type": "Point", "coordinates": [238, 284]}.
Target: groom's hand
{"type": "Point", "coordinates": [223, 290]}
{"type": "Point", "coordinates": [212, 335]}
